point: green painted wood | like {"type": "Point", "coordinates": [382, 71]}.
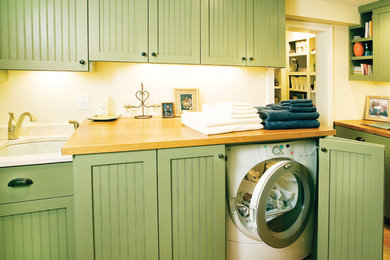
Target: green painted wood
{"type": "Point", "coordinates": [223, 36]}
{"type": "Point", "coordinates": [174, 31]}
{"type": "Point", "coordinates": [191, 195]}
{"type": "Point", "coordinates": [118, 30]}
{"type": "Point", "coordinates": [344, 132]}
{"type": "Point", "coordinates": [381, 42]}
{"type": "Point", "coordinates": [43, 35]}
{"type": "Point", "coordinates": [350, 209]}
{"type": "Point", "coordinates": [372, 138]}
{"type": "Point", "coordinates": [50, 180]}
{"type": "Point", "coordinates": [265, 32]}
{"type": "Point", "coordinates": [374, 5]}
{"type": "Point", "coordinates": [116, 206]}
{"type": "Point", "coordinates": [41, 229]}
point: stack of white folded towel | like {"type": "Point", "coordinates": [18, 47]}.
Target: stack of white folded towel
{"type": "Point", "coordinates": [223, 118]}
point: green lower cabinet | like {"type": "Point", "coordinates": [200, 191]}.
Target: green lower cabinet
{"type": "Point", "coordinates": [191, 195]}
{"type": "Point", "coordinates": [40, 229]}
{"type": "Point", "coordinates": [376, 139]}
{"type": "Point", "coordinates": [350, 206]}
{"type": "Point", "coordinates": [150, 205]}
{"type": "Point", "coordinates": [116, 206]}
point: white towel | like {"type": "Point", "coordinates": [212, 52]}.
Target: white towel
{"type": "Point", "coordinates": [234, 104]}
{"type": "Point", "coordinates": [205, 119]}
{"type": "Point", "coordinates": [209, 123]}
{"type": "Point", "coordinates": [222, 129]}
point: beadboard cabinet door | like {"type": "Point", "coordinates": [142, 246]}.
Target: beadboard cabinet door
{"type": "Point", "coordinates": [174, 31]}
{"type": "Point", "coordinates": [381, 41]}
{"type": "Point", "coordinates": [118, 30]}
{"type": "Point", "coordinates": [40, 229]}
{"type": "Point", "coordinates": [43, 35]}
{"type": "Point", "coordinates": [350, 206]}
{"type": "Point", "coordinates": [116, 206]}
{"type": "Point", "coordinates": [191, 197]}
{"type": "Point", "coordinates": [223, 32]}
{"type": "Point", "coordinates": [265, 32]}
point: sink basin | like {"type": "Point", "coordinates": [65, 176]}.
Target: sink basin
{"type": "Point", "coordinates": [32, 148]}
{"type": "Point", "coordinates": [32, 151]}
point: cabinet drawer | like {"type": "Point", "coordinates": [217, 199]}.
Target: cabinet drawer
{"type": "Point", "coordinates": [371, 138]}
{"type": "Point", "coordinates": [49, 181]}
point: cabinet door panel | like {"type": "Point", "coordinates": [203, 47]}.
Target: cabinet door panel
{"type": "Point", "coordinates": [350, 209]}
{"type": "Point", "coordinates": [191, 184]}
{"type": "Point", "coordinates": [118, 30]}
{"type": "Point", "coordinates": [174, 31]}
{"type": "Point", "coordinates": [42, 229]}
{"type": "Point", "coordinates": [43, 34]}
{"type": "Point", "coordinates": [223, 32]}
{"type": "Point", "coordinates": [116, 206]}
{"type": "Point", "coordinates": [381, 41]}
{"type": "Point", "coordinates": [265, 33]}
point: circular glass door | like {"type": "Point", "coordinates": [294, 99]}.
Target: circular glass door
{"type": "Point", "coordinates": [282, 202]}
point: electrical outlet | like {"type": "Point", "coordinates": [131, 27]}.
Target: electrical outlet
{"type": "Point", "coordinates": [82, 102]}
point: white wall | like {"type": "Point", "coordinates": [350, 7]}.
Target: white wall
{"type": "Point", "coordinates": [322, 11]}
{"type": "Point", "coordinates": [52, 96]}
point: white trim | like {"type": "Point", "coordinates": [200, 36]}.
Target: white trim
{"type": "Point", "coordinates": [324, 65]}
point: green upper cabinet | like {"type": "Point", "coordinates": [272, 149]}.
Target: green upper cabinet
{"type": "Point", "coordinates": [174, 31]}
{"type": "Point", "coordinates": [266, 33]}
{"type": "Point", "coordinates": [191, 197]}
{"type": "Point", "coordinates": [223, 32]}
{"type": "Point", "coordinates": [381, 41]}
{"type": "Point", "coordinates": [118, 30]}
{"type": "Point", "coordinates": [160, 31]}
{"type": "Point", "coordinates": [247, 33]}
{"type": "Point", "coordinates": [43, 35]}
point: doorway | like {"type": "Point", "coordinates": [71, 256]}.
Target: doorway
{"type": "Point", "coordinates": [309, 67]}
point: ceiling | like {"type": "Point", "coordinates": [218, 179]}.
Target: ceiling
{"type": "Point", "coordinates": [352, 2]}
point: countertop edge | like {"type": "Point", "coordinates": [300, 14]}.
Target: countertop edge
{"type": "Point", "coordinates": [357, 125]}
{"type": "Point", "coordinates": [215, 140]}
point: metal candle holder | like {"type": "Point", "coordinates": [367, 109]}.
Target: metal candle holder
{"type": "Point", "coordinates": [140, 96]}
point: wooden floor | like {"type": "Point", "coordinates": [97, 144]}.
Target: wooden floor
{"type": "Point", "coordinates": [386, 244]}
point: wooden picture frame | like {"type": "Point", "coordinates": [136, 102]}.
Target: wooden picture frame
{"type": "Point", "coordinates": [167, 109]}
{"type": "Point", "coordinates": [377, 108]}
{"type": "Point", "coordinates": [186, 100]}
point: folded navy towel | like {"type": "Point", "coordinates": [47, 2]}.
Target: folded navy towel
{"type": "Point", "coordinates": [303, 104]}
{"type": "Point", "coordinates": [290, 108]}
{"type": "Point", "coordinates": [284, 115]}
{"type": "Point", "coordinates": [296, 101]}
{"type": "Point", "coordinates": [270, 125]}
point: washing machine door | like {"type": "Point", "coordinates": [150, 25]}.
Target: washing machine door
{"type": "Point", "coordinates": [282, 203]}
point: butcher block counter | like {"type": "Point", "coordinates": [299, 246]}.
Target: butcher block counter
{"type": "Point", "coordinates": [358, 125]}
{"type": "Point", "coordinates": [130, 134]}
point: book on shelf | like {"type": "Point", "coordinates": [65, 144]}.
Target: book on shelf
{"type": "Point", "coordinates": [363, 69]}
{"type": "Point", "coordinates": [368, 29]}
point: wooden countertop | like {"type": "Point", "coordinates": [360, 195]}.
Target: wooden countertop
{"type": "Point", "coordinates": [130, 134]}
{"type": "Point", "coordinates": [357, 125]}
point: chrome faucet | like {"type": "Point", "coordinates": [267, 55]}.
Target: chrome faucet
{"type": "Point", "coordinates": [14, 127]}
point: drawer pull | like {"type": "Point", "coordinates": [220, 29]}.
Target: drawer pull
{"type": "Point", "coordinates": [20, 182]}
{"type": "Point", "coordinates": [360, 139]}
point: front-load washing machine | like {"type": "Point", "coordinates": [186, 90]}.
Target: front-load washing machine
{"type": "Point", "coordinates": [270, 196]}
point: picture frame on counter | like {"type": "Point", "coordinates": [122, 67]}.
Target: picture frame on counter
{"type": "Point", "coordinates": [167, 109]}
{"type": "Point", "coordinates": [186, 99]}
{"type": "Point", "coordinates": [377, 108]}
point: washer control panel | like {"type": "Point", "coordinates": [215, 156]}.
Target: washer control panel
{"type": "Point", "coordinates": [288, 149]}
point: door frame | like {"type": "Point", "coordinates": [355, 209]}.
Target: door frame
{"type": "Point", "coordinates": [324, 65]}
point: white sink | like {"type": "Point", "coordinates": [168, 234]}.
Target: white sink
{"type": "Point", "coordinates": [27, 151]}
{"type": "Point", "coordinates": [32, 148]}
